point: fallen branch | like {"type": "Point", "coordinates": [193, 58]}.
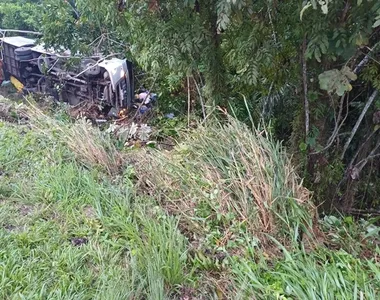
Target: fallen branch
{"type": "Point", "coordinates": [352, 162]}
{"type": "Point", "coordinates": [362, 212]}
{"type": "Point", "coordinates": [361, 164]}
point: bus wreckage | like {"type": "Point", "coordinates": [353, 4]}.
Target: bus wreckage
{"type": "Point", "coordinates": [107, 81]}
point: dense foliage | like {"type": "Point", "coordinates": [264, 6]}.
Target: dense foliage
{"type": "Point", "coordinates": [308, 68]}
{"type": "Point", "coordinates": [20, 14]}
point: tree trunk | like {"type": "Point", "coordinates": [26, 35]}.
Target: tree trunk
{"type": "Point", "coordinates": [214, 74]}
{"type": "Point", "coordinates": [306, 100]}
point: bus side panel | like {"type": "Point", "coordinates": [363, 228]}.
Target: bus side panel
{"type": "Point", "coordinates": [11, 65]}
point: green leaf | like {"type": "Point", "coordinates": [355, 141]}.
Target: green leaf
{"type": "Point", "coordinates": [349, 220]}
{"type": "Point", "coordinates": [346, 71]}
{"type": "Point", "coordinates": [335, 81]}
{"type": "Point", "coordinates": [303, 146]}
{"type": "Point", "coordinates": [317, 54]}
{"type": "Point", "coordinates": [304, 9]}
{"type": "Point", "coordinates": [372, 231]}
{"type": "Point", "coordinates": [360, 2]}
{"type": "Point", "coordinates": [377, 23]}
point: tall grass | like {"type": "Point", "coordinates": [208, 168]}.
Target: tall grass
{"type": "Point", "coordinates": [319, 275]}
{"type": "Point", "coordinates": [87, 142]}
{"type": "Point", "coordinates": [232, 169]}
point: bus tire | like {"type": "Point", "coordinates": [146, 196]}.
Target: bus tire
{"type": "Point", "coordinates": [23, 51]}
{"type": "Point", "coordinates": [23, 57]}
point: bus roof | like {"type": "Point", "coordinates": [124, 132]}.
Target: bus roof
{"type": "Point", "coordinates": [18, 41]}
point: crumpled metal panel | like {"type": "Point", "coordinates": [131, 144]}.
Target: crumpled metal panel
{"type": "Point", "coordinates": [116, 68]}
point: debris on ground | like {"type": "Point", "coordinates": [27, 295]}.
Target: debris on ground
{"type": "Point", "coordinates": [11, 111]}
{"type": "Point", "coordinates": [78, 241]}
{"type": "Point", "coordinates": [169, 116]}
{"type": "Point", "coordinates": [128, 126]}
{"type": "Point", "coordinates": [5, 83]}
{"type": "Point", "coordinates": [131, 134]}
{"type": "Point", "coordinates": [86, 110]}
{"type": "Point", "coordinates": [144, 101]}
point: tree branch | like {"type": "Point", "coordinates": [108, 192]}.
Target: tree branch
{"type": "Point", "coordinates": [360, 212]}
{"type": "Point", "coordinates": [365, 60]}
{"type": "Point", "coordinates": [360, 149]}
{"type": "Point", "coordinates": [361, 164]}
{"type": "Point", "coordinates": [345, 11]}
{"type": "Point", "coordinates": [3, 31]}
{"type": "Point", "coordinates": [335, 133]}
{"type": "Point", "coordinates": [358, 122]}
{"type": "Point", "coordinates": [338, 126]}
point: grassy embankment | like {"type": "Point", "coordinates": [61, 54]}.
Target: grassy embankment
{"type": "Point", "coordinates": [222, 215]}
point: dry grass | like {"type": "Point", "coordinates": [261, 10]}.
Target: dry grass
{"type": "Point", "coordinates": [89, 145]}
{"type": "Point", "coordinates": [232, 169]}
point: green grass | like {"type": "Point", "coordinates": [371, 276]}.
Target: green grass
{"type": "Point", "coordinates": [49, 200]}
{"type": "Point", "coordinates": [73, 228]}
{"type": "Point", "coordinates": [318, 275]}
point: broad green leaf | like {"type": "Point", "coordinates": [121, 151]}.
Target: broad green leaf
{"type": "Point", "coordinates": [335, 81]}
{"type": "Point", "coordinates": [348, 73]}
{"type": "Point", "coordinates": [372, 231]}
{"type": "Point", "coordinates": [341, 89]}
